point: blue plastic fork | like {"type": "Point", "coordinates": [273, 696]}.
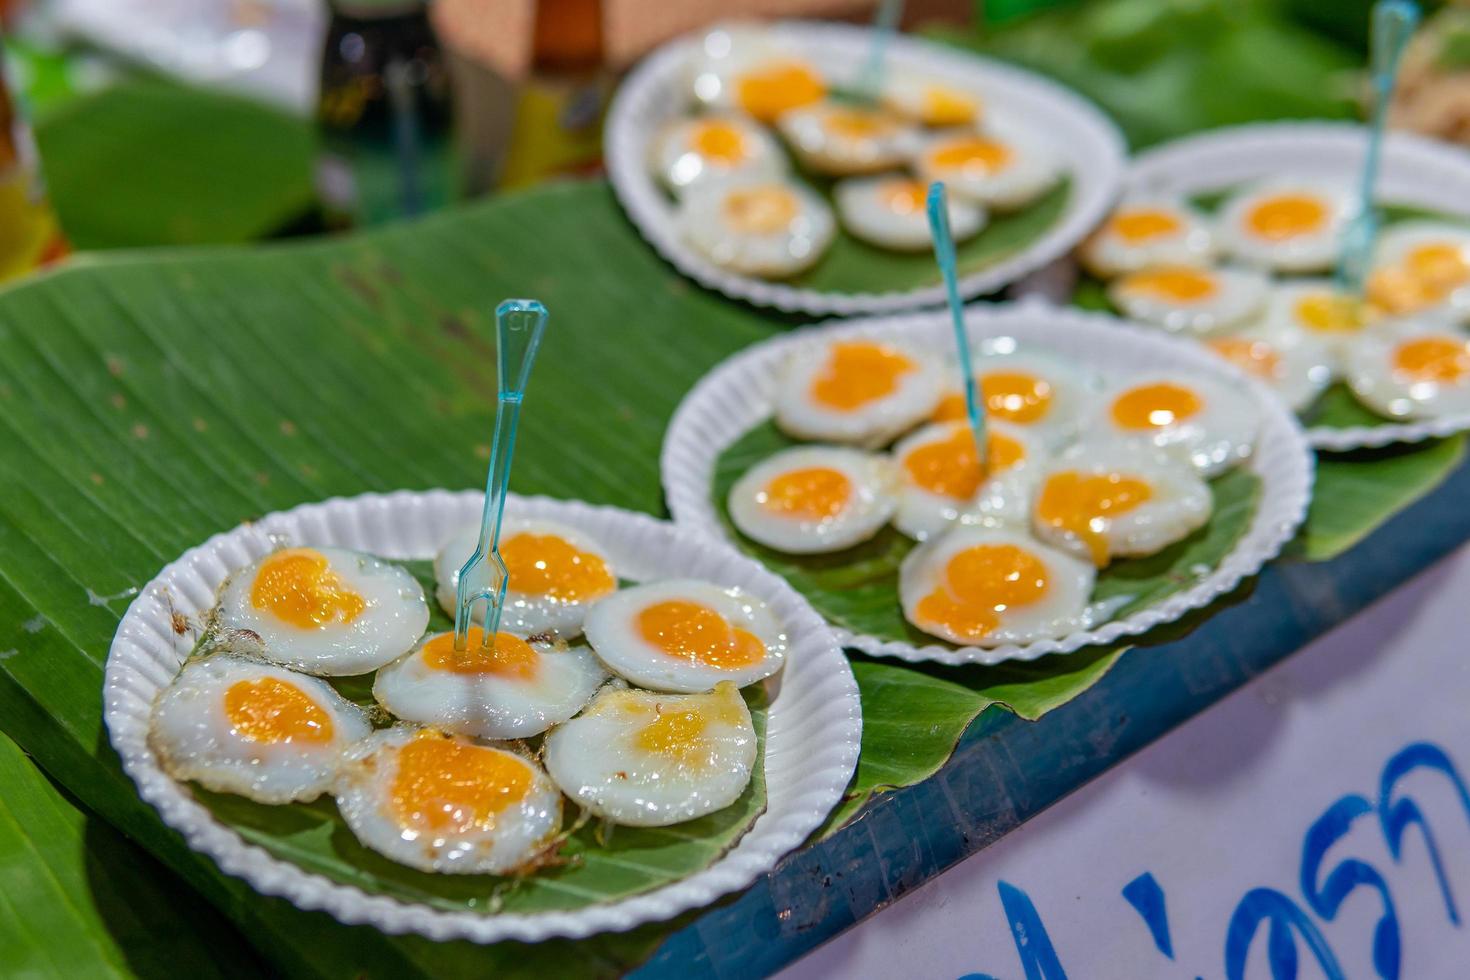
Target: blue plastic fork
{"type": "Point", "coordinates": [519, 324]}
{"type": "Point", "coordinates": [1393, 24]}
{"type": "Point", "coordinates": [885, 23]}
{"type": "Point", "coordinates": [938, 207]}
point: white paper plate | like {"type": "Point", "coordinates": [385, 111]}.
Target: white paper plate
{"type": "Point", "coordinates": [740, 394]}
{"type": "Point", "coordinates": [814, 725]}
{"type": "Point", "coordinates": [1415, 171]}
{"type": "Point", "coordinates": [655, 93]}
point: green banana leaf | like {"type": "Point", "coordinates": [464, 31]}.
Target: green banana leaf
{"type": "Point", "coordinates": [149, 402]}
{"type": "Point", "coordinates": [79, 900]}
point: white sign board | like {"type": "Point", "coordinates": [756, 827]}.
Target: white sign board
{"type": "Point", "coordinates": [1316, 823]}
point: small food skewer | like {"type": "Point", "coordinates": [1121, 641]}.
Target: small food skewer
{"type": "Point", "coordinates": [885, 22]}
{"type": "Point", "coordinates": [519, 324]}
{"type": "Point", "coordinates": [938, 206]}
{"type": "Point", "coordinates": [1394, 22]}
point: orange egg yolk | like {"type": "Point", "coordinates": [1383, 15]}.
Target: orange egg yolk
{"type": "Point", "coordinates": [903, 196]}
{"type": "Point", "coordinates": [551, 566]}
{"type": "Point", "coordinates": [1432, 359]}
{"type": "Point", "coordinates": [1173, 284]}
{"type": "Point", "coordinates": [444, 786]}
{"type": "Point", "coordinates": [979, 584]}
{"type": "Point", "coordinates": [511, 657]}
{"type": "Point", "coordinates": [815, 493]}
{"type": "Point", "coordinates": [760, 210]}
{"type": "Point", "coordinates": [274, 711]}
{"type": "Point", "coordinates": [950, 466]}
{"type": "Point", "coordinates": [972, 153]}
{"type": "Point", "coordinates": [1008, 395]}
{"type": "Point", "coordinates": [1082, 504]}
{"type": "Point", "coordinates": [1330, 313]}
{"type": "Point", "coordinates": [1155, 406]}
{"type": "Point", "coordinates": [298, 587]}
{"type": "Point", "coordinates": [1425, 277]}
{"type": "Point", "coordinates": [1252, 356]}
{"type": "Point", "coordinates": [1138, 225]}
{"type": "Point", "coordinates": [857, 373]}
{"type": "Point", "coordinates": [778, 87]}
{"type": "Point", "coordinates": [1286, 216]}
{"type": "Point", "coordinates": [676, 729]}
{"type": "Point", "coordinates": [719, 141]}
{"type": "Point", "coordinates": [946, 107]}
{"type": "Point", "coordinates": [694, 632]}
{"type": "Point", "coordinates": [856, 124]}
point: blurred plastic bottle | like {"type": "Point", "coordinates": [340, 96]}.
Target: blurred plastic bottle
{"type": "Point", "coordinates": [385, 113]}
{"type": "Point", "coordinates": [30, 236]}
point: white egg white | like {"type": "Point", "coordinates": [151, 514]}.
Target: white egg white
{"type": "Point", "coordinates": [192, 731]}
{"type": "Point", "coordinates": [1189, 299]}
{"type": "Point", "coordinates": [1316, 310]}
{"type": "Point", "coordinates": [1252, 240]}
{"type": "Point", "coordinates": [1061, 608]}
{"type": "Point", "coordinates": [1178, 501]}
{"type": "Point", "coordinates": [1149, 230]}
{"type": "Point", "coordinates": [471, 843]}
{"type": "Point", "coordinates": [392, 619]}
{"type": "Point", "coordinates": [867, 505]}
{"type": "Point", "coordinates": [1388, 388]}
{"type": "Point", "coordinates": [801, 411]}
{"type": "Point", "coordinates": [931, 102]}
{"type": "Point", "coordinates": [1045, 395]}
{"type": "Point", "coordinates": [1001, 498]}
{"type": "Point", "coordinates": [613, 629]}
{"type": "Point", "coordinates": [770, 227]}
{"type": "Point", "coordinates": [1294, 365]}
{"type": "Point", "coordinates": [1422, 267]}
{"type": "Point", "coordinates": [1219, 433]}
{"type": "Point", "coordinates": [620, 761]}
{"type": "Point", "coordinates": [730, 56]}
{"type": "Point", "coordinates": [1019, 166]}
{"type": "Point", "coordinates": [838, 139]}
{"type": "Point", "coordinates": [682, 158]}
{"type": "Point", "coordinates": [885, 211]}
{"type": "Point", "coordinates": [501, 700]}
{"type": "Point", "coordinates": [525, 613]}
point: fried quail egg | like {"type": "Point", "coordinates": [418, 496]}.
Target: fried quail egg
{"type": "Point", "coordinates": [1189, 299]}
{"type": "Point", "coordinates": [930, 102]}
{"type": "Point", "coordinates": [1315, 309]}
{"type": "Point", "coordinates": [988, 586]}
{"type": "Point", "coordinates": [744, 67]}
{"type": "Point", "coordinates": [1422, 267]}
{"type": "Point", "coordinates": [1003, 167]}
{"type": "Point", "coordinates": [770, 228]}
{"type": "Point", "coordinates": [1286, 225]}
{"type": "Point", "coordinates": [236, 725]}
{"type": "Point", "coordinates": [326, 611]}
{"type": "Point", "coordinates": [813, 499]}
{"type": "Point", "coordinates": [941, 481]}
{"type": "Point", "coordinates": [1149, 231]}
{"type": "Point", "coordinates": [1043, 395]}
{"type": "Point", "coordinates": [838, 139]}
{"type": "Point", "coordinates": [447, 804]}
{"type": "Point", "coordinates": [1412, 371]}
{"type": "Point", "coordinates": [1106, 500]}
{"type": "Point", "coordinates": [554, 572]}
{"type": "Point", "coordinates": [1211, 424]}
{"type": "Point", "coordinates": [856, 391]}
{"type": "Point", "coordinates": [1296, 366]}
{"type": "Point", "coordinates": [649, 760]}
{"type": "Point", "coordinates": [691, 152]}
{"type": "Point", "coordinates": [686, 636]}
{"type": "Point", "coordinates": [512, 689]}
{"type": "Point", "coordinates": [890, 212]}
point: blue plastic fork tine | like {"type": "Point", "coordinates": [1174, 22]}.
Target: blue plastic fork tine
{"type": "Point", "coordinates": [944, 254]}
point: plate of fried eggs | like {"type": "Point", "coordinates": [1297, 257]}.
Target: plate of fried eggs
{"type": "Point", "coordinates": [1127, 478]}
{"type": "Point", "coordinates": [750, 159]}
{"type": "Point", "coordinates": [645, 688]}
{"type": "Point", "coordinates": [1232, 237]}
